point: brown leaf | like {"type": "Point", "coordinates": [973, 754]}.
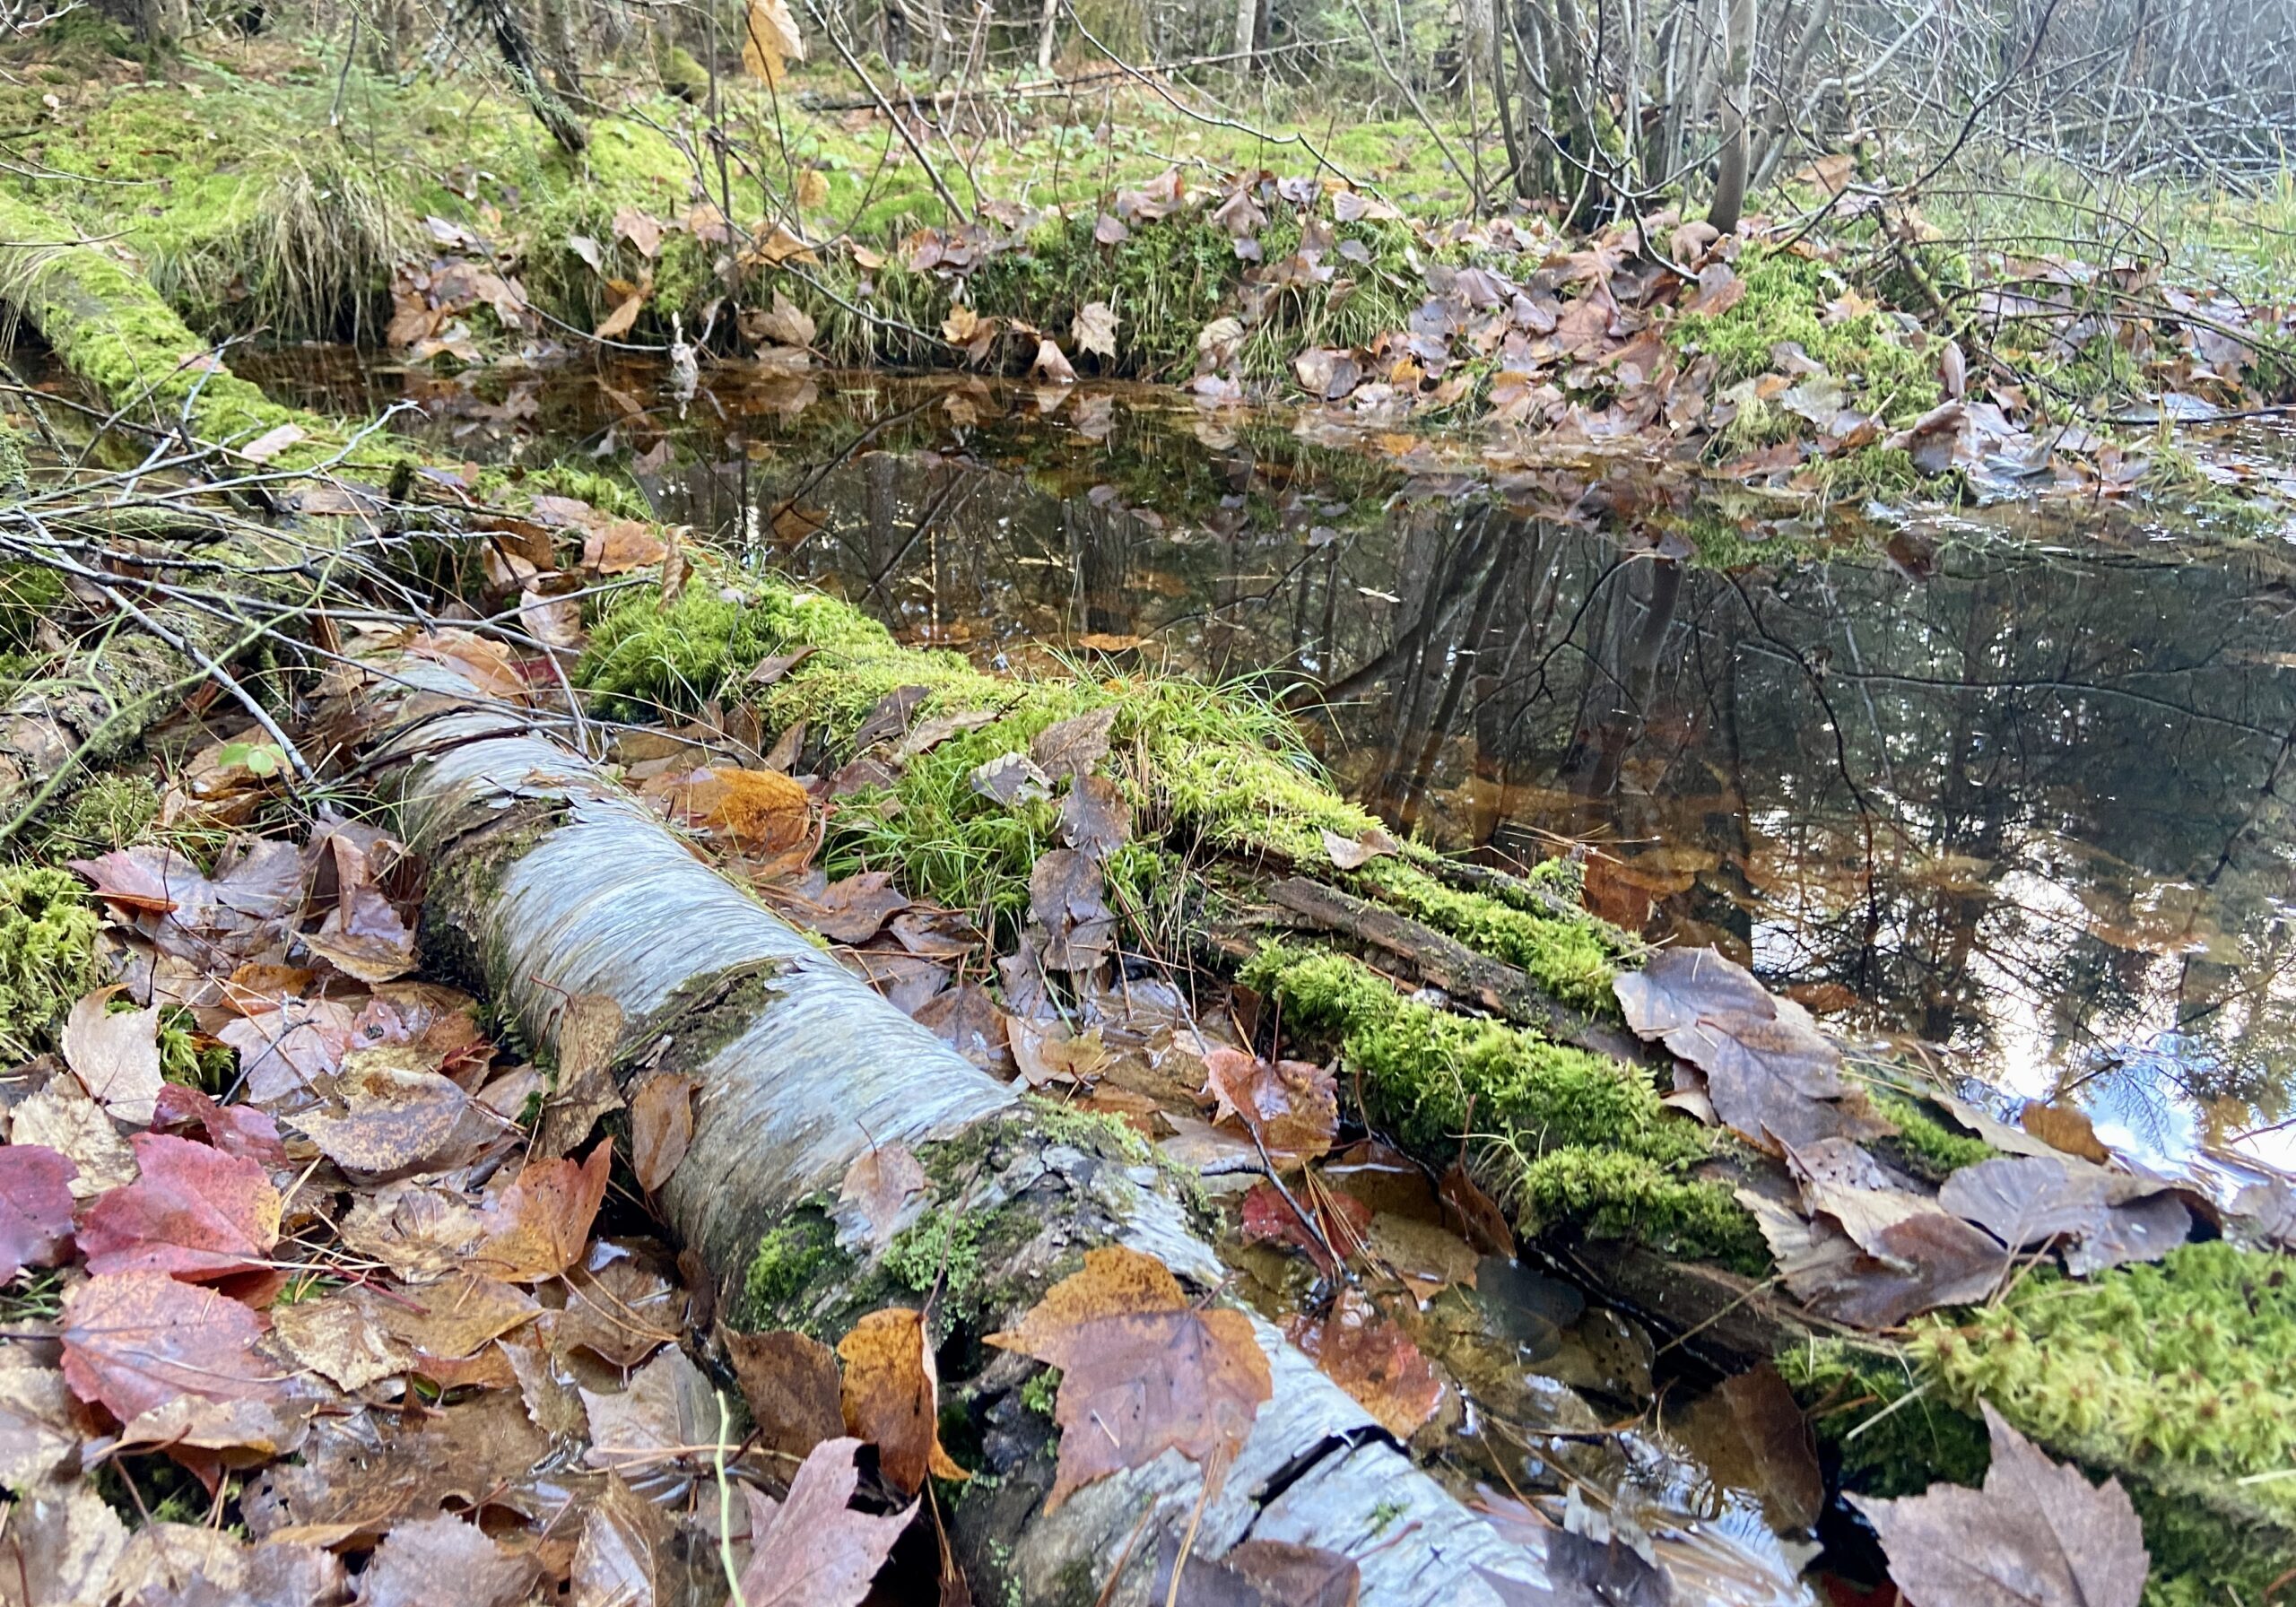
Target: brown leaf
{"type": "Point", "coordinates": [2039, 1534]}
{"type": "Point", "coordinates": [338, 1337]}
{"type": "Point", "coordinates": [1143, 1371]}
{"type": "Point", "coordinates": [589, 1027]}
{"type": "Point", "coordinates": [1074, 746]}
{"type": "Point", "coordinates": [238, 1433]}
{"type": "Point", "coordinates": [1095, 820]}
{"type": "Point", "coordinates": [1476, 1213]}
{"type": "Point", "coordinates": [2111, 1217]}
{"type": "Point", "coordinates": [617, 323]}
{"type": "Point", "coordinates": [758, 812]}
{"type": "Point", "coordinates": [194, 1212]}
{"type": "Point", "coordinates": [38, 1431]}
{"type": "Point", "coordinates": [1779, 1452]}
{"type": "Point", "coordinates": [235, 1129]}
{"type": "Point", "coordinates": [35, 1206]}
{"type": "Point", "coordinates": [62, 1118]}
{"type": "Point", "coordinates": [787, 323]}
{"type": "Point", "coordinates": [360, 1473]}
{"type": "Point", "coordinates": [792, 1385]}
{"type": "Point", "coordinates": [770, 39]}
{"type": "Point", "coordinates": [661, 1126]}
{"type": "Point", "coordinates": [1292, 1106]}
{"type": "Point", "coordinates": [874, 1201]}
{"type": "Point", "coordinates": [445, 1562]}
{"type": "Point", "coordinates": [537, 1226]}
{"type": "Point", "coordinates": [621, 1311]}
{"type": "Point", "coordinates": [1051, 364]}
{"type": "Point", "coordinates": [852, 911]}
{"type": "Point", "coordinates": [1926, 1257]}
{"type": "Point", "coordinates": [667, 1407]}
{"type": "Point", "coordinates": [1011, 778]}
{"type": "Point", "coordinates": [1367, 1355]}
{"type": "Point", "coordinates": [812, 1550]}
{"type": "Point", "coordinates": [1094, 329]}
{"type": "Point", "coordinates": [2065, 1127]}
{"type": "Point", "coordinates": [136, 1340]}
{"type": "Point", "coordinates": [63, 1541]}
{"type": "Point", "coordinates": [1065, 898]}
{"type": "Point", "coordinates": [396, 1119]}
{"type": "Point", "coordinates": [1353, 852]}
{"type": "Point", "coordinates": [617, 1560]}
{"type": "Point", "coordinates": [364, 936]}
{"type": "Point", "coordinates": [115, 1057]}
{"type": "Point", "coordinates": [448, 1321]}
{"type": "Point", "coordinates": [890, 1397]}
{"type": "Point", "coordinates": [1770, 1073]}
{"type": "Point", "coordinates": [421, 1233]}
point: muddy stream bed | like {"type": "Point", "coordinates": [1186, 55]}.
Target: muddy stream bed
{"type": "Point", "coordinates": [2002, 788]}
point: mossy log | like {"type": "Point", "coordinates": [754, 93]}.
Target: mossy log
{"type": "Point", "coordinates": [549, 881]}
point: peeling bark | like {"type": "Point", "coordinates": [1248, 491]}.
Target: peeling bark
{"type": "Point", "coordinates": [803, 1070]}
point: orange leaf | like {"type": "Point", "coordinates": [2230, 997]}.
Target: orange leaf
{"type": "Point", "coordinates": [538, 1226]}
{"type": "Point", "coordinates": [890, 1397]}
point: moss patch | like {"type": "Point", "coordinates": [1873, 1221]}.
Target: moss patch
{"type": "Point", "coordinates": [48, 954]}
{"type": "Point", "coordinates": [1571, 958]}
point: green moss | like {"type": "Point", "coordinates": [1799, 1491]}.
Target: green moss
{"type": "Point", "coordinates": [942, 1251]}
{"type": "Point", "coordinates": [785, 1262]}
{"type": "Point", "coordinates": [1922, 1144]}
{"type": "Point", "coordinates": [1571, 958]}
{"type": "Point", "coordinates": [112, 811]}
{"type": "Point", "coordinates": [48, 954]}
{"type": "Point", "coordinates": [1788, 299]}
{"type": "Point", "coordinates": [1042, 1390]}
{"type": "Point", "coordinates": [1615, 1193]}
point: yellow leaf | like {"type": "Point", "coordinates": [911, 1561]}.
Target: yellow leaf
{"type": "Point", "coordinates": [770, 41]}
{"type": "Point", "coordinates": [616, 323]}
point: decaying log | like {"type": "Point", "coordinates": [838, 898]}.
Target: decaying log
{"type": "Point", "coordinates": [551, 881]}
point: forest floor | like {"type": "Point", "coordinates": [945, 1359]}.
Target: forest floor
{"type": "Point", "coordinates": [349, 1246]}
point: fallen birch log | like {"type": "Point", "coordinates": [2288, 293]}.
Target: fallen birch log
{"type": "Point", "coordinates": [551, 881]}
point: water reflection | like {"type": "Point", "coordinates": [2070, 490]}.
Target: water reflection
{"type": "Point", "coordinates": [2012, 789]}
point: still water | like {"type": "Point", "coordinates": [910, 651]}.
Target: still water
{"type": "Point", "coordinates": [2004, 788]}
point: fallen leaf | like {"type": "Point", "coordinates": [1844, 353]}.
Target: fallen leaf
{"type": "Point", "coordinates": [537, 1228]}
{"type": "Point", "coordinates": [1928, 1257]}
{"type": "Point", "coordinates": [770, 40]}
{"type": "Point", "coordinates": [396, 1120]}
{"type": "Point", "coordinates": [1095, 820]}
{"type": "Point", "coordinates": [1094, 329]}
{"type": "Point", "coordinates": [1074, 746]}
{"type": "Point", "coordinates": [1292, 1107]}
{"type": "Point", "coordinates": [2110, 1218]}
{"type": "Point", "coordinates": [589, 1029]}
{"type": "Point", "coordinates": [661, 1126]}
{"type": "Point", "coordinates": [63, 1540]}
{"type": "Point", "coordinates": [617, 323]}
{"type": "Point", "coordinates": [1367, 1355]}
{"type": "Point", "coordinates": [1051, 364]}
{"type": "Point", "coordinates": [617, 1558]}
{"type": "Point", "coordinates": [115, 1056]}
{"type": "Point", "coordinates": [1067, 898]}
{"type": "Point", "coordinates": [1352, 854]}
{"type": "Point", "coordinates": [2038, 1534]}
{"type": "Point", "coordinates": [421, 1233]}
{"type": "Point", "coordinates": [1768, 1071]}
{"type": "Point", "coordinates": [667, 1407]}
{"type": "Point", "coordinates": [791, 1383]}
{"type": "Point", "coordinates": [337, 1337]}
{"type": "Point", "coordinates": [240, 1130]}
{"type": "Point", "coordinates": [193, 1213]}
{"type": "Point", "coordinates": [812, 1550]}
{"type": "Point", "coordinates": [449, 1320]}
{"type": "Point", "coordinates": [134, 1341]}
{"type": "Point", "coordinates": [445, 1562]}
{"type": "Point", "coordinates": [1344, 1220]}
{"type": "Point", "coordinates": [1143, 1371]}
{"type": "Point", "coordinates": [1011, 778]}
{"type": "Point", "coordinates": [786, 324]}
{"type": "Point", "coordinates": [621, 1311]}
{"type": "Point", "coordinates": [874, 1198]}
{"type": "Point", "coordinates": [1773, 1444]}
{"type": "Point", "coordinates": [59, 1116]}
{"type": "Point", "coordinates": [271, 442]}
{"type": "Point", "coordinates": [852, 910]}
{"type": "Point", "coordinates": [890, 1397]}
{"type": "Point", "coordinates": [36, 1206]}
{"type": "Point", "coordinates": [1477, 1216]}
{"type": "Point", "coordinates": [641, 230]}
{"type": "Point", "coordinates": [39, 1431]}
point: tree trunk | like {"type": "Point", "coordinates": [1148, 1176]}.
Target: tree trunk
{"type": "Point", "coordinates": [547, 880]}
{"type": "Point", "coordinates": [1246, 33]}
{"type": "Point", "coordinates": [1737, 69]}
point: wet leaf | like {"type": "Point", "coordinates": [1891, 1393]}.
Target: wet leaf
{"type": "Point", "coordinates": [1367, 1355]}
{"type": "Point", "coordinates": [1344, 1220]}
{"type": "Point", "coordinates": [890, 1397]}
{"type": "Point", "coordinates": [2038, 1534]}
{"type": "Point", "coordinates": [1779, 1452]}
{"type": "Point", "coordinates": [852, 910]}
{"type": "Point", "coordinates": [1927, 1258]}
{"type": "Point", "coordinates": [193, 1213]}
{"type": "Point", "coordinates": [62, 1118]}
{"type": "Point", "coordinates": [1095, 820]}
{"type": "Point", "coordinates": [758, 812]}
{"type": "Point", "coordinates": [1143, 1371]}
{"type": "Point", "coordinates": [669, 1406]}
{"type": "Point", "coordinates": [448, 1321]}
{"type": "Point", "coordinates": [617, 1558]}
{"type": "Point", "coordinates": [589, 1027]}
{"type": "Point", "coordinates": [874, 1198]}
{"type": "Point", "coordinates": [1770, 1073]}
{"type": "Point", "coordinates": [396, 1120]}
{"type": "Point", "coordinates": [338, 1337]}
{"type": "Point", "coordinates": [661, 1126]}
{"type": "Point", "coordinates": [1065, 898]}
{"type": "Point", "coordinates": [1292, 1106]}
{"type": "Point", "coordinates": [786, 324]}
{"type": "Point", "coordinates": [444, 1562]}
{"type": "Point", "coordinates": [812, 1550]}
{"type": "Point", "coordinates": [617, 323]}
{"type": "Point", "coordinates": [283, 1052]}
{"type": "Point", "coordinates": [421, 1233]}
{"type": "Point", "coordinates": [161, 1558]}
{"type": "Point", "coordinates": [792, 1385]}
{"type": "Point", "coordinates": [537, 1226]}
{"type": "Point", "coordinates": [134, 1341]}
{"type": "Point", "coordinates": [1474, 1213]}
{"type": "Point", "coordinates": [36, 1206]}
{"type": "Point", "coordinates": [640, 229]}
{"type": "Point", "coordinates": [364, 936]}
{"type": "Point", "coordinates": [239, 1130]}
{"type": "Point", "coordinates": [1259, 1573]}
{"type": "Point", "coordinates": [245, 1432]}
{"type": "Point", "coordinates": [1051, 364]}
{"type": "Point", "coordinates": [1074, 746]}
{"type": "Point", "coordinates": [115, 1056]}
